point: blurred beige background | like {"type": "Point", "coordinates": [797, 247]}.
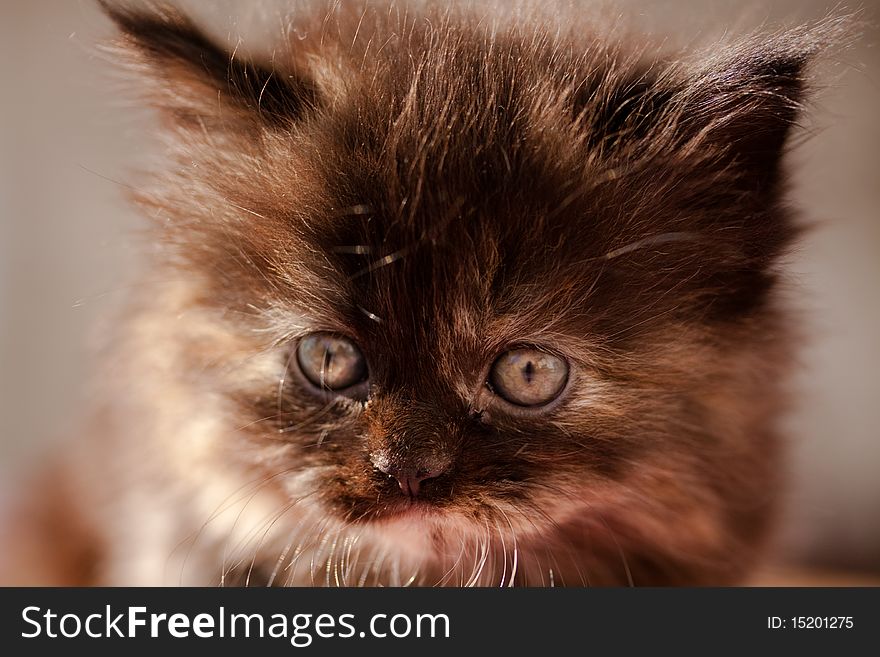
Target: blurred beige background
{"type": "Point", "coordinates": [67, 241]}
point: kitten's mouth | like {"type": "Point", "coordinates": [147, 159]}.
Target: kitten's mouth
{"type": "Point", "coordinates": [407, 507]}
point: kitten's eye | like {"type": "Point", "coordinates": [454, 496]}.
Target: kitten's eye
{"type": "Point", "coordinates": [528, 377]}
{"type": "Point", "coordinates": [331, 362]}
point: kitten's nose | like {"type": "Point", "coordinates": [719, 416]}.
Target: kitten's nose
{"type": "Point", "coordinates": [409, 476]}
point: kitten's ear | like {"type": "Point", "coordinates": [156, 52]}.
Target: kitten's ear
{"type": "Point", "coordinates": [742, 104]}
{"type": "Point", "coordinates": [745, 107]}
{"type": "Point", "coordinates": [196, 81]}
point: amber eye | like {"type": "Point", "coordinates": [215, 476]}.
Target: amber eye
{"type": "Point", "coordinates": [331, 362]}
{"type": "Point", "coordinates": [528, 377]}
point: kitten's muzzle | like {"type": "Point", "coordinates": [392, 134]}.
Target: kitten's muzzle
{"type": "Point", "coordinates": [410, 473]}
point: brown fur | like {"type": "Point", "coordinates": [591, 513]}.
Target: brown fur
{"type": "Point", "coordinates": [440, 186]}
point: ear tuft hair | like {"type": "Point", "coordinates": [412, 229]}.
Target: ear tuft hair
{"type": "Point", "coordinates": [746, 99]}
{"type": "Point", "coordinates": [191, 72]}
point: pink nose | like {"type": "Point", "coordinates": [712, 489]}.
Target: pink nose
{"type": "Point", "coordinates": [408, 478]}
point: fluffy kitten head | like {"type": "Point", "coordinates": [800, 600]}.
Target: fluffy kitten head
{"type": "Point", "coordinates": [431, 190]}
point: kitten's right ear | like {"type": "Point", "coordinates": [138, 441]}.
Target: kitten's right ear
{"type": "Point", "coordinates": [197, 82]}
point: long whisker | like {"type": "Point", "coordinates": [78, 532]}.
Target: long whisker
{"type": "Point", "coordinates": [285, 509]}
{"type": "Point", "coordinates": [629, 577]}
{"type": "Point", "coordinates": [515, 546]}
{"type": "Point", "coordinates": [500, 535]}
{"type": "Point", "coordinates": [225, 504]}
{"type": "Point", "coordinates": [651, 240]}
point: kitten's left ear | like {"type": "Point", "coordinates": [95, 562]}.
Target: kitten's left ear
{"type": "Point", "coordinates": [194, 81]}
{"type": "Point", "coordinates": [742, 103]}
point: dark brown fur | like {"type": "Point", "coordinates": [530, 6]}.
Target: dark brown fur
{"type": "Point", "coordinates": [439, 187]}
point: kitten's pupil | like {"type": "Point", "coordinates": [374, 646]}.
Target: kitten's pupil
{"type": "Point", "coordinates": [529, 372]}
{"type": "Point", "coordinates": [325, 366]}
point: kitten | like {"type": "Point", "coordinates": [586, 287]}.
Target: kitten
{"type": "Point", "coordinates": [446, 298]}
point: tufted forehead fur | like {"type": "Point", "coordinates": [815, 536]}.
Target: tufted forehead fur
{"type": "Point", "coordinates": [441, 185]}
